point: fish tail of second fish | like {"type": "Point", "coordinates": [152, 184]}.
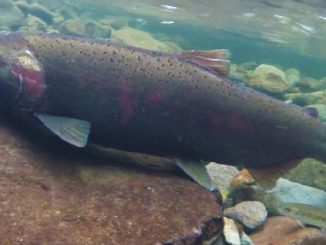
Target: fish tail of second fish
{"type": "Point", "coordinates": [268, 175]}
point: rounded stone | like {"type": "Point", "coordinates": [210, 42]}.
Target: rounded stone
{"type": "Point", "coordinates": [267, 78]}
{"type": "Point", "coordinates": [251, 214]}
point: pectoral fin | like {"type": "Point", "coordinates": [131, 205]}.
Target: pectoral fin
{"type": "Point", "coordinates": [196, 171]}
{"type": "Point", "coordinates": [71, 130]}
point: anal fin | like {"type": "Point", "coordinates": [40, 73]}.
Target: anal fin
{"type": "Point", "coordinates": [216, 61]}
{"type": "Point", "coordinates": [71, 130]}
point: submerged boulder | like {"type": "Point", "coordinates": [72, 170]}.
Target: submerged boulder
{"type": "Point", "coordinates": [286, 231]}
{"type": "Point", "coordinates": [309, 172]}
{"type": "Point", "coordinates": [268, 79]}
{"type": "Point", "coordinates": [304, 99]}
{"type": "Point", "coordinates": [52, 193]}
{"type": "Point", "coordinates": [10, 15]}
{"type": "Point", "coordinates": [292, 76]}
{"type": "Point", "coordinates": [251, 214]}
{"type": "Point", "coordinates": [141, 39]}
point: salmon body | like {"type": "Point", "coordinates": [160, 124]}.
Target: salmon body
{"type": "Point", "coordinates": [146, 101]}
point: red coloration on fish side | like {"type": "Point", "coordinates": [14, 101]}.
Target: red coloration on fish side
{"type": "Point", "coordinates": [236, 123]}
{"type": "Point", "coordinates": [31, 80]}
{"type": "Point", "coordinates": [155, 97]}
{"type": "Point", "coordinates": [216, 125]}
{"type": "Point", "coordinates": [126, 101]}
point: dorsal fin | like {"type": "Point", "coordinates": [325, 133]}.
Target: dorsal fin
{"type": "Point", "coordinates": [268, 175]}
{"type": "Point", "coordinates": [216, 61]}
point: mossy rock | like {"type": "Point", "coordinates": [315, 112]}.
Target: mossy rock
{"type": "Point", "coordinates": [141, 39]}
{"type": "Point", "coordinates": [268, 79]}
{"type": "Point", "coordinates": [304, 99]}
{"type": "Point", "coordinates": [309, 172]}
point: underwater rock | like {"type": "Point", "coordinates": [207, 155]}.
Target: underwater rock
{"type": "Point", "coordinates": [33, 23]}
{"type": "Point", "coordinates": [282, 230]}
{"type": "Point", "coordinates": [6, 4]}
{"type": "Point", "coordinates": [221, 176]}
{"type": "Point", "coordinates": [37, 10]}
{"type": "Point", "coordinates": [114, 22]}
{"type": "Point", "coordinates": [72, 27]}
{"type": "Point", "coordinates": [308, 84]}
{"type": "Point", "coordinates": [141, 39]}
{"type": "Point", "coordinates": [304, 99]}
{"type": "Point", "coordinates": [67, 13]}
{"type": "Point", "coordinates": [10, 15]}
{"type": "Point", "coordinates": [234, 234]}
{"type": "Point", "coordinates": [237, 72]}
{"type": "Point", "coordinates": [242, 178]}
{"type": "Point", "coordinates": [309, 172]}
{"type": "Point", "coordinates": [267, 78]}
{"type": "Point", "coordinates": [4, 29]}
{"type": "Point", "coordinates": [292, 76]}
{"type": "Point", "coordinates": [88, 29]}
{"type": "Point", "coordinates": [96, 30]}
{"type": "Point", "coordinates": [52, 193]}
{"type": "Point", "coordinates": [288, 191]}
{"type": "Point", "coordinates": [251, 214]}
{"type": "Point", "coordinates": [245, 239]}
{"type": "Point", "coordinates": [321, 111]}
{"type": "Point", "coordinates": [230, 232]}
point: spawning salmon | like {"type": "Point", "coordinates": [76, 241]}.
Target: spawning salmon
{"type": "Point", "coordinates": [166, 104]}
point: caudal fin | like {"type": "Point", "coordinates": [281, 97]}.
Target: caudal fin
{"type": "Point", "coordinates": [267, 176]}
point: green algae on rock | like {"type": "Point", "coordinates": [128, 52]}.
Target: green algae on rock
{"type": "Point", "coordinates": [292, 76]}
{"type": "Point", "coordinates": [36, 10]}
{"type": "Point", "coordinates": [54, 194]}
{"type": "Point", "coordinates": [141, 39]}
{"type": "Point", "coordinates": [33, 23]}
{"type": "Point", "coordinates": [303, 99]}
{"type": "Point", "coordinates": [309, 172]}
{"type": "Point", "coordinates": [267, 78]}
{"type": "Point", "coordinates": [10, 15]}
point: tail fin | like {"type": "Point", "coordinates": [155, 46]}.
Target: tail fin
{"type": "Point", "coordinates": [267, 176]}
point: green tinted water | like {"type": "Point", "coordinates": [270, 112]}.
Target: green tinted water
{"type": "Point", "coordinates": [286, 33]}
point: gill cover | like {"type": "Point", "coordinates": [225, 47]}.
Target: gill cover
{"type": "Point", "coordinates": [21, 74]}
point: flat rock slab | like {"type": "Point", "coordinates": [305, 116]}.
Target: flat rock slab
{"type": "Point", "coordinates": [54, 194]}
{"type": "Point", "coordinates": [281, 230]}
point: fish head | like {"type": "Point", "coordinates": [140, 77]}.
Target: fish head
{"type": "Point", "coordinates": [21, 77]}
{"type": "Point", "coordinates": [9, 83]}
